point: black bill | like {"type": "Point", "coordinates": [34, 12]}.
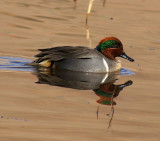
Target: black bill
{"type": "Point", "coordinates": [126, 57]}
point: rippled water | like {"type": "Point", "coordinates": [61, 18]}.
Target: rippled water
{"type": "Point", "coordinates": [45, 105]}
{"type": "Point", "coordinates": [15, 63]}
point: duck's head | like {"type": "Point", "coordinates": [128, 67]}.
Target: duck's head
{"type": "Point", "coordinates": [112, 47]}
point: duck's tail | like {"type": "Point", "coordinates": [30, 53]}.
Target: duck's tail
{"type": "Point", "coordinates": [44, 63]}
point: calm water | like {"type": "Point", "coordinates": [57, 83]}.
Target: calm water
{"type": "Point", "coordinates": [45, 105]}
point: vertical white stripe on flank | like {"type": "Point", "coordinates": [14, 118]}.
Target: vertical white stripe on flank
{"type": "Point", "coordinates": [104, 79]}
{"type": "Point", "coordinates": [106, 65]}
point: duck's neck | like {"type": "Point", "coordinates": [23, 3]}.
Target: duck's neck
{"type": "Point", "coordinates": [107, 52]}
{"type": "Point", "coordinates": [98, 48]}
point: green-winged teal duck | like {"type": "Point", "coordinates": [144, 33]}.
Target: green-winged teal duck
{"type": "Point", "coordinates": [77, 58]}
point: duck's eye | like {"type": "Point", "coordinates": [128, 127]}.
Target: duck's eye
{"type": "Point", "coordinates": [110, 44]}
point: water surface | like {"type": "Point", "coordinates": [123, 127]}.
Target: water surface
{"type": "Point", "coordinates": [32, 109]}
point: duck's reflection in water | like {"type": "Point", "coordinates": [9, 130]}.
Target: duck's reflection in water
{"type": "Point", "coordinates": [102, 84]}
{"type": "Point", "coordinates": [107, 91]}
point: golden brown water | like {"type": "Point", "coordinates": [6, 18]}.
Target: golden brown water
{"type": "Point", "coordinates": [31, 112]}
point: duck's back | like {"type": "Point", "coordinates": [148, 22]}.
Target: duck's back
{"type": "Point", "coordinates": [77, 58]}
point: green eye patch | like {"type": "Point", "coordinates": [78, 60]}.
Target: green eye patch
{"type": "Point", "coordinates": [109, 44]}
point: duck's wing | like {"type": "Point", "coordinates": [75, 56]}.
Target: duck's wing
{"type": "Point", "coordinates": [60, 53]}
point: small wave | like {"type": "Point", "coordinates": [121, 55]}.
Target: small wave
{"type": "Point", "coordinates": [15, 64]}
{"type": "Point", "coordinates": [126, 72]}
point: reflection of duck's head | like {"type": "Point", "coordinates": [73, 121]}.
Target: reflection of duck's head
{"type": "Point", "coordinates": [105, 99]}
{"type": "Point", "coordinates": [108, 91]}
